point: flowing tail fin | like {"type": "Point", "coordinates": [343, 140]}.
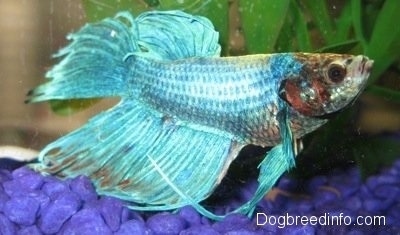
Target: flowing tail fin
{"type": "Point", "coordinates": [95, 64]}
{"type": "Point", "coordinates": [92, 65]}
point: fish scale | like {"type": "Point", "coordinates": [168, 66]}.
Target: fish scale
{"type": "Point", "coordinates": [168, 85]}
{"type": "Point", "coordinates": [185, 112]}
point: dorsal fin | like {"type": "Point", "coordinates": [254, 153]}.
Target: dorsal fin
{"type": "Point", "coordinates": [94, 64]}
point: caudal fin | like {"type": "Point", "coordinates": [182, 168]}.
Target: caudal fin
{"type": "Point", "coordinates": [92, 64]}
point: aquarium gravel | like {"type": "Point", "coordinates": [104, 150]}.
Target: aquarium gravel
{"type": "Point", "coordinates": [34, 204]}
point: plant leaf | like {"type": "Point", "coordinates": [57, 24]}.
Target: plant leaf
{"type": "Point", "coordinates": [322, 19]}
{"type": "Point", "coordinates": [262, 23]}
{"type": "Point", "coordinates": [344, 23]}
{"type": "Point", "coordinates": [357, 18]}
{"type": "Point", "coordinates": [68, 107]}
{"type": "Point", "coordinates": [301, 29]}
{"type": "Point", "coordinates": [385, 39]}
{"type": "Point", "coordinates": [342, 47]}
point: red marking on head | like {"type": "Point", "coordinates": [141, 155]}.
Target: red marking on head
{"type": "Point", "coordinates": [306, 107]}
{"type": "Point", "coordinates": [292, 96]}
{"type": "Point", "coordinates": [323, 94]}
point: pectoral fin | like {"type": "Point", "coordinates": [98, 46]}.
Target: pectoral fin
{"type": "Point", "coordinates": [276, 162]}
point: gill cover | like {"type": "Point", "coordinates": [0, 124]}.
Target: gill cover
{"type": "Point", "coordinates": [326, 83]}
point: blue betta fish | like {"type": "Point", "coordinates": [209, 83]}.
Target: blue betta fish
{"type": "Point", "coordinates": [185, 112]}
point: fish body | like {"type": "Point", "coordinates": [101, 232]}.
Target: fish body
{"type": "Point", "coordinates": [217, 92]}
{"type": "Point", "coordinates": [185, 112]}
{"type": "Point", "coordinates": [222, 92]}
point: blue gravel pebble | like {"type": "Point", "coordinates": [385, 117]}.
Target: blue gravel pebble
{"type": "Point", "coordinates": [132, 227]}
{"type": "Point", "coordinates": [394, 215]}
{"type": "Point", "coordinates": [31, 230]}
{"type": "Point", "coordinates": [58, 212]}
{"type": "Point", "coordinates": [346, 188]}
{"type": "Point", "coordinates": [375, 181]}
{"type": "Point", "coordinates": [111, 210]}
{"type": "Point", "coordinates": [164, 223]}
{"type": "Point", "coordinates": [5, 175]}
{"type": "Point", "coordinates": [6, 226]}
{"type": "Point", "coordinates": [130, 214]}
{"type": "Point", "coordinates": [3, 199]}
{"type": "Point", "coordinates": [286, 184]}
{"type": "Point", "coordinates": [54, 188]}
{"type": "Point", "coordinates": [376, 205]}
{"type": "Point", "coordinates": [353, 203]}
{"type": "Point", "coordinates": [202, 229]}
{"type": "Point", "coordinates": [325, 196]}
{"type": "Point", "coordinates": [205, 221]}
{"type": "Point", "coordinates": [22, 210]}
{"type": "Point", "coordinates": [84, 188]}
{"type": "Point", "coordinates": [27, 179]}
{"type": "Point", "coordinates": [302, 207]}
{"type": "Point", "coordinates": [387, 191]}
{"type": "Point", "coordinates": [22, 171]}
{"type": "Point", "coordinates": [316, 182]}
{"type": "Point", "coordinates": [41, 197]}
{"type": "Point", "coordinates": [299, 230]}
{"type": "Point", "coordinates": [86, 222]}
{"type": "Point", "coordinates": [242, 232]}
{"type": "Point", "coordinates": [233, 222]}
{"type": "Point", "coordinates": [30, 181]}
{"type": "Point", "coordinates": [191, 216]}
{"type": "Point", "coordinates": [13, 188]}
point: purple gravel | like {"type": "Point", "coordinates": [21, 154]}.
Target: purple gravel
{"type": "Point", "coordinates": [54, 188]}
{"type": "Point", "coordinates": [21, 210]}
{"type": "Point", "coordinates": [59, 211]}
{"type": "Point", "coordinates": [200, 229]}
{"type": "Point", "coordinates": [3, 199]}
{"type": "Point", "coordinates": [6, 226]}
{"type": "Point", "coordinates": [166, 223]}
{"type": "Point", "coordinates": [132, 227]}
{"type": "Point", "coordinates": [233, 222]}
{"type": "Point", "coordinates": [191, 216]}
{"type": "Point", "coordinates": [5, 175]}
{"type": "Point", "coordinates": [31, 230]}
{"type": "Point", "coordinates": [86, 221]}
{"type": "Point", "coordinates": [111, 211]}
{"type": "Point", "coordinates": [34, 204]}
{"type": "Point", "coordinates": [84, 188]}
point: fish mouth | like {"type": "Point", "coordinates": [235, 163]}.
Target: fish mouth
{"type": "Point", "coordinates": [366, 65]}
{"type": "Point", "coordinates": [365, 68]}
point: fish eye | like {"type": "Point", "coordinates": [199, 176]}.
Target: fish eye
{"type": "Point", "coordinates": [336, 73]}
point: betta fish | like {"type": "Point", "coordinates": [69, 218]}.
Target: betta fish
{"type": "Point", "coordinates": [185, 112]}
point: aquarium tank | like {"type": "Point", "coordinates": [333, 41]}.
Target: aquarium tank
{"type": "Point", "coordinates": [347, 174]}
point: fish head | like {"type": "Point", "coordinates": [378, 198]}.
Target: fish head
{"type": "Point", "coordinates": [326, 83]}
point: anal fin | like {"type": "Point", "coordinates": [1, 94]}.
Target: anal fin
{"type": "Point", "coordinates": [124, 150]}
